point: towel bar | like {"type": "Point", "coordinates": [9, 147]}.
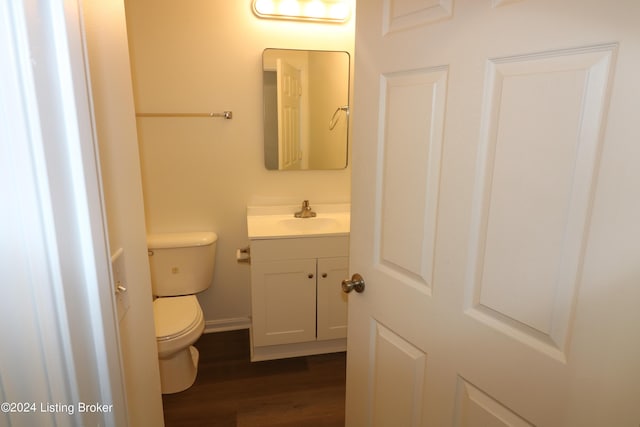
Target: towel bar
{"type": "Point", "coordinates": [226, 114]}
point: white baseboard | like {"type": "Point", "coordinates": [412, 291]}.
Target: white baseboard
{"type": "Point", "coordinates": [221, 325]}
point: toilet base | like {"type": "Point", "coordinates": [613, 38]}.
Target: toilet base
{"type": "Point", "coordinates": [178, 372]}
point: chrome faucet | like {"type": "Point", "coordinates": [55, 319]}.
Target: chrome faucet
{"type": "Point", "coordinates": [306, 211]}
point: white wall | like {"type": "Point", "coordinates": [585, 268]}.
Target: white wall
{"type": "Point", "coordinates": [200, 174]}
{"type": "Point", "coordinates": [120, 167]}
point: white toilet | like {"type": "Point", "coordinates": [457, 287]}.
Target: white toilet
{"type": "Point", "coordinates": [181, 265]}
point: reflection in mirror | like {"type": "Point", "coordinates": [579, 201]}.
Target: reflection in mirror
{"type": "Point", "coordinates": [306, 109]}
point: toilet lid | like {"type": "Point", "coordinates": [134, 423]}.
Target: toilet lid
{"type": "Point", "coordinates": [175, 315]}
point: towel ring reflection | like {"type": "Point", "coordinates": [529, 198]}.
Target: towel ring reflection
{"type": "Point", "coordinates": [336, 118]}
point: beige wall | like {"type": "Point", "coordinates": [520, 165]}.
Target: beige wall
{"type": "Point", "coordinates": [329, 83]}
{"type": "Point", "coordinates": [120, 167]}
{"type": "Point", "coordinates": [200, 174]}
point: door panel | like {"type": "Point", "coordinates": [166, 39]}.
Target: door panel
{"type": "Point", "coordinates": [402, 14]}
{"type": "Point", "coordinates": [410, 142]}
{"type": "Point", "coordinates": [398, 393]}
{"type": "Point", "coordinates": [474, 408]}
{"type": "Point", "coordinates": [494, 214]}
{"type": "Point", "coordinates": [542, 117]}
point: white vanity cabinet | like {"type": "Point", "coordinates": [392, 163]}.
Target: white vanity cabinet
{"type": "Point", "coordinates": [331, 302]}
{"type": "Point", "coordinates": [298, 307]}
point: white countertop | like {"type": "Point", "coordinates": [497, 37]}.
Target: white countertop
{"type": "Point", "coordinates": [278, 222]}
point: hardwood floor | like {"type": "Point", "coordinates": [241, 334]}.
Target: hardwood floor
{"type": "Point", "coordinates": [232, 391]}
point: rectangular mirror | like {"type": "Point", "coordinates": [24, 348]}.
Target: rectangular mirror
{"type": "Point", "coordinates": [306, 109]}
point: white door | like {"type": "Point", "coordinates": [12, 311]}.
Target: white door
{"type": "Point", "coordinates": [496, 214]}
{"type": "Point", "coordinates": [289, 89]}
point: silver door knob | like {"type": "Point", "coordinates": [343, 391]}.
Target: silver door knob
{"type": "Point", "coordinates": [356, 283]}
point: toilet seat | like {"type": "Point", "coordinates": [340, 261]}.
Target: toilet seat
{"type": "Point", "coordinates": [176, 316]}
{"type": "Point", "coordinates": [179, 323]}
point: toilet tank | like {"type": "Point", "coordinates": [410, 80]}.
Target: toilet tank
{"type": "Point", "coordinates": [181, 263]}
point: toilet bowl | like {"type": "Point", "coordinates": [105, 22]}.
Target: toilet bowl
{"type": "Point", "coordinates": [182, 265]}
{"type": "Point", "coordinates": [179, 323]}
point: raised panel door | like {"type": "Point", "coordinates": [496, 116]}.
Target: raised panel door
{"type": "Point", "coordinates": [495, 210]}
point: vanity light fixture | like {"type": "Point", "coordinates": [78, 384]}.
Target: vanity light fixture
{"type": "Point", "coordinates": [337, 11]}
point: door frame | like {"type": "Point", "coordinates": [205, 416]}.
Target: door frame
{"type": "Point", "coordinates": [57, 260]}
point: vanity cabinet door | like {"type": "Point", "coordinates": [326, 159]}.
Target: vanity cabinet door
{"type": "Point", "coordinates": [332, 302]}
{"type": "Point", "coordinates": [283, 302]}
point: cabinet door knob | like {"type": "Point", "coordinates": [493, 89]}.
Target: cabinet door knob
{"type": "Point", "coordinates": [356, 282]}
{"type": "Point", "coordinates": [324, 275]}
{"type": "Point", "coordinates": [310, 276]}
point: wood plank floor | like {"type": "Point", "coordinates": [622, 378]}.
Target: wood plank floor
{"type": "Point", "coordinates": [232, 391]}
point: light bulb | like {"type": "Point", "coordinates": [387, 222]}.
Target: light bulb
{"type": "Point", "coordinates": [264, 7]}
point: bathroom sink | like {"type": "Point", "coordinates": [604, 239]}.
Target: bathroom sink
{"type": "Point", "coordinates": [306, 225]}
{"type": "Point", "coordinates": [278, 222]}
